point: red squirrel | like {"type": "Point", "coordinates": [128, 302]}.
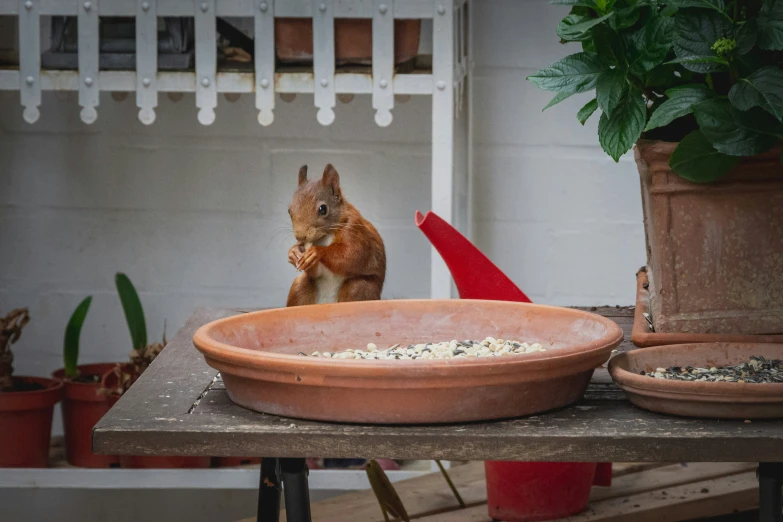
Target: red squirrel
{"type": "Point", "coordinates": [340, 254]}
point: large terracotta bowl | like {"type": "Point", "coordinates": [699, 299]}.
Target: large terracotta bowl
{"type": "Point", "coordinates": [719, 400]}
{"type": "Point", "coordinates": [257, 355]}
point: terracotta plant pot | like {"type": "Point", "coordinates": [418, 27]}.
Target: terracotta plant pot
{"type": "Point", "coordinates": [26, 423]}
{"type": "Point", "coordinates": [352, 40]}
{"type": "Point", "coordinates": [713, 250]}
{"type": "Point", "coordinates": [257, 355]}
{"type": "Point", "coordinates": [719, 400]}
{"type": "Point", "coordinates": [82, 408]}
{"type": "Point", "coordinates": [643, 336]}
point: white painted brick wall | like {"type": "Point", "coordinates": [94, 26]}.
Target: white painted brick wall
{"type": "Point", "coordinates": [196, 215]}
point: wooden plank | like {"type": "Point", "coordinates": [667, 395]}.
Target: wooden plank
{"type": "Point", "coordinates": [686, 502]}
{"type": "Point", "coordinates": [422, 496]}
{"type": "Point", "coordinates": [620, 469]}
{"type": "Point", "coordinates": [667, 477]}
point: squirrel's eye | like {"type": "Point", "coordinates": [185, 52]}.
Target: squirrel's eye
{"type": "Point", "coordinates": [322, 210]}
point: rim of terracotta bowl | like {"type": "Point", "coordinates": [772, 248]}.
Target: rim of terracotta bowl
{"type": "Point", "coordinates": [704, 391]}
{"type": "Point", "coordinates": [246, 362]}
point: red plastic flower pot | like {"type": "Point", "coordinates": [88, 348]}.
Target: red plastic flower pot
{"type": "Point", "coordinates": [230, 462]}
{"type": "Point", "coordinates": [83, 406]}
{"type": "Point", "coordinates": [167, 462]}
{"type": "Point", "coordinates": [26, 420]}
{"type": "Point", "coordinates": [530, 491]}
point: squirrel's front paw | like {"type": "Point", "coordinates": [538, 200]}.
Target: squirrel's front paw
{"type": "Point", "coordinates": [310, 259]}
{"type": "Point", "coordinates": [295, 254]}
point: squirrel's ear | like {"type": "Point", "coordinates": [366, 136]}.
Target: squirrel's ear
{"type": "Point", "coordinates": [302, 174]}
{"type": "Point", "coordinates": [331, 179]}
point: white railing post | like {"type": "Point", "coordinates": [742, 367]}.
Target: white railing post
{"type": "Point", "coordinates": [265, 60]}
{"type": "Point", "coordinates": [89, 55]}
{"type": "Point", "coordinates": [206, 60]}
{"type": "Point", "coordinates": [147, 59]}
{"type": "Point", "coordinates": [383, 61]}
{"type": "Point", "coordinates": [442, 135]}
{"type": "Point", "coordinates": [323, 60]}
{"type": "Point", "coordinates": [30, 59]}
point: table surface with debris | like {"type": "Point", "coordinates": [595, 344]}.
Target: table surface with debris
{"type": "Point", "coordinates": [179, 406]}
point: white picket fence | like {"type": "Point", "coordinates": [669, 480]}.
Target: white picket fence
{"type": "Point", "coordinates": [447, 82]}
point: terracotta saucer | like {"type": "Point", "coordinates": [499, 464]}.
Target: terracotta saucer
{"type": "Point", "coordinates": [257, 355]}
{"type": "Point", "coordinates": [719, 400]}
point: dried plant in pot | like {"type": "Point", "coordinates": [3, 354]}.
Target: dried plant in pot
{"type": "Point", "coordinates": [26, 404]}
{"type": "Point", "coordinates": [698, 88]}
{"type": "Point", "coordinates": [83, 403]}
{"type": "Point", "coordinates": [119, 379]}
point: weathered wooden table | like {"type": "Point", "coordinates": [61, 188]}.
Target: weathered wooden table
{"type": "Point", "coordinates": [180, 407]}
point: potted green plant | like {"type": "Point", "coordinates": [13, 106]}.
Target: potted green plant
{"type": "Point", "coordinates": [697, 86]}
{"type": "Point", "coordinates": [83, 403]}
{"type": "Point", "coordinates": [120, 378]}
{"type": "Point", "coordinates": [26, 404]}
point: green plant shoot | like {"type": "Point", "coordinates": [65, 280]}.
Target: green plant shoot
{"type": "Point", "coordinates": [134, 313]}
{"type": "Point", "coordinates": [72, 332]}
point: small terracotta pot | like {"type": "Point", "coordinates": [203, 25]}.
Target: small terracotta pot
{"type": "Point", "coordinates": [82, 408]}
{"type": "Point", "coordinates": [26, 423]}
{"type": "Point", "coordinates": [352, 40]}
{"type": "Point", "coordinates": [166, 462]}
{"type": "Point", "coordinates": [232, 462]}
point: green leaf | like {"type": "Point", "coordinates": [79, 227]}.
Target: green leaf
{"type": "Point", "coordinates": [572, 74]}
{"type": "Point", "coordinates": [695, 159]}
{"type": "Point", "coordinates": [680, 102]}
{"type": "Point", "coordinates": [626, 17]}
{"type": "Point", "coordinates": [733, 132]}
{"type": "Point", "coordinates": [574, 28]}
{"type": "Point", "coordinates": [585, 112]}
{"type": "Point", "coordinates": [608, 44]}
{"type": "Point", "coordinates": [617, 133]}
{"type": "Point", "coordinates": [650, 45]}
{"type": "Point", "coordinates": [763, 88]}
{"type": "Point", "coordinates": [747, 34]}
{"type": "Point", "coordinates": [717, 5]}
{"type": "Point", "coordinates": [72, 332]}
{"type": "Point", "coordinates": [695, 34]}
{"type": "Point", "coordinates": [134, 313]}
{"type": "Point", "coordinates": [770, 26]}
{"type": "Point", "coordinates": [611, 89]}
{"type": "Point", "coordinates": [694, 60]}
{"type": "Point", "coordinates": [557, 99]}
{"type": "Point", "coordinates": [669, 10]}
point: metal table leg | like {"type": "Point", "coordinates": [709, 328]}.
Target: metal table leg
{"type": "Point", "coordinates": [269, 488]}
{"type": "Point", "coordinates": [770, 498]}
{"type": "Point", "coordinates": [296, 490]}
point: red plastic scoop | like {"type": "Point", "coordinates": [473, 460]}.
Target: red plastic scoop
{"type": "Point", "coordinates": [476, 277]}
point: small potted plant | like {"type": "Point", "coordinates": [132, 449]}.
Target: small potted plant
{"type": "Point", "coordinates": [26, 404]}
{"type": "Point", "coordinates": [83, 403]}
{"type": "Point", "coordinates": [697, 86]}
{"type": "Point", "coordinates": [120, 378]}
